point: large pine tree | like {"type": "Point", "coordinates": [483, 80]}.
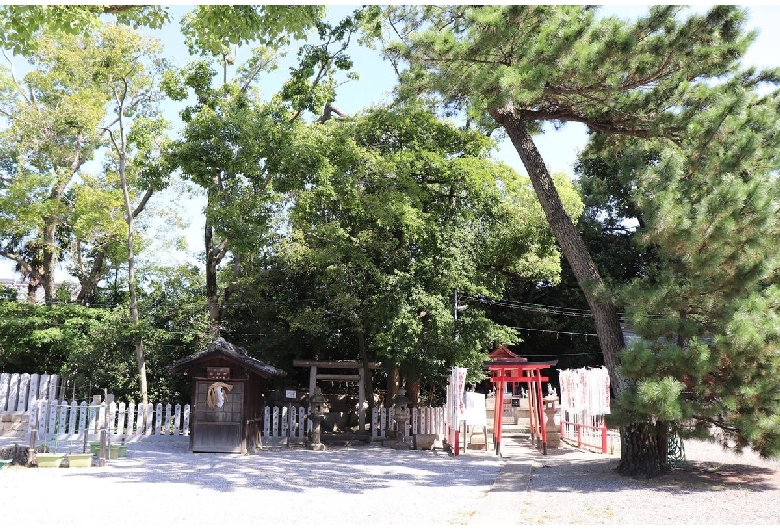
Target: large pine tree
{"type": "Point", "coordinates": [708, 315]}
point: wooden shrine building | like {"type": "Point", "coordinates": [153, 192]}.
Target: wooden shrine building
{"type": "Point", "coordinates": [506, 367]}
{"type": "Point", "coordinates": [227, 397]}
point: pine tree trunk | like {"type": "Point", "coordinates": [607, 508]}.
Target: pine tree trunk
{"type": "Point", "coordinates": [644, 449]}
{"type": "Point", "coordinates": [643, 445]}
{"type": "Point", "coordinates": [573, 247]}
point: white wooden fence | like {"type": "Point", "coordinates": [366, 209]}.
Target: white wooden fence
{"type": "Point", "coordinates": [283, 424]}
{"type": "Point", "coordinates": [19, 391]}
{"type": "Point", "coordinates": [50, 421]}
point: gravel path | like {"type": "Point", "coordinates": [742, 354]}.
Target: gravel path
{"type": "Point", "coordinates": [711, 487]}
{"type": "Point", "coordinates": [375, 485]}
{"type": "Point", "coordinates": [344, 486]}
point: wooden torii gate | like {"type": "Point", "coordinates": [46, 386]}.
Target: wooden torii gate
{"type": "Point", "coordinates": [505, 367]}
{"type": "Point", "coordinates": [360, 378]}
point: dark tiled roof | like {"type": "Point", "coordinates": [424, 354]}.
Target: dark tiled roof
{"type": "Point", "coordinates": [223, 348]}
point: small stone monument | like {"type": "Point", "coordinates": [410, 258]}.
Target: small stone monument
{"type": "Point", "coordinates": [317, 402]}
{"type": "Point", "coordinates": [401, 417]}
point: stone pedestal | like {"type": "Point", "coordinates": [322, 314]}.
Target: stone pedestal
{"type": "Point", "coordinates": [425, 441]}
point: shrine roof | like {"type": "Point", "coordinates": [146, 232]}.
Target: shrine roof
{"type": "Point", "coordinates": [224, 349]}
{"type": "Point", "coordinates": [503, 353]}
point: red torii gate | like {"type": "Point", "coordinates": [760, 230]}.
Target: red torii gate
{"type": "Point", "coordinates": [508, 367]}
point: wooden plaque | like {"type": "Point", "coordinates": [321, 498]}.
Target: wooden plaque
{"type": "Point", "coordinates": [214, 372]}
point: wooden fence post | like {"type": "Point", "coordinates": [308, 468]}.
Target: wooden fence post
{"type": "Point", "coordinates": [177, 420]}
{"type": "Point", "coordinates": [186, 427]}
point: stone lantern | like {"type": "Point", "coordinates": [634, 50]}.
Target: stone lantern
{"type": "Point", "coordinates": [401, 417]}
{"type": "Point", "coordinates": [553, 420]}
{"type": "Point", "coordinates": [318, 404]}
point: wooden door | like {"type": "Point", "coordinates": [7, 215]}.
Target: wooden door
{"type": "Point", "coordinates": [218, 428]}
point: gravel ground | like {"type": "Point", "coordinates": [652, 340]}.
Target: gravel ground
{"type": "Point", "coordinates": [164, 483]}
{"type": "Point", "coordinates": [711, 487]}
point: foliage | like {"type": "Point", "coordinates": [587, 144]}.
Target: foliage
{"type": "Point", "coordinates": [213, 29]}
{"type": "Point", "coordinates": [82, 344]}
{"type": "Point", "coordinates": [708, 313]}
{"type": "Point", "coordinates": [92, 348]}
{"type": "Point", "coordinates": [52, 130]}
{"type": "Point", "coordinates": [57, 118]}
{"type": "Point", "coordinates": [662, 76]}
{"type": "Point", "coordinates": [208, 29]}
{"type": "Point", "coordinates": [396, 211]}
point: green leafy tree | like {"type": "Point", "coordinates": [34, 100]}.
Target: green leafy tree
{"type": "Point", "coordinates": [519, 67]}
{"type": "Point", "coordinates": [135, 132]}
{"type": "Point", "coordinates": [397, 212]}
{"type": "Point", "coordinates": [52, 130]}
{"type": "Point", "coordinates": [81, 344]}
{"type": "Point", "coordinates": [88, 346]}
{"type": "Point", "coordinates": [234, 141]}
{"type": "Point", "coordinates": [208, 29]}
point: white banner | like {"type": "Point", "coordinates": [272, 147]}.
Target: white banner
{"type": "Point", "coordinates": [457, 387]}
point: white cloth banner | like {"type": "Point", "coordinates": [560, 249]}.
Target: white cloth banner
{"type": "Point", "coordinates": [585, 390]}
{"type": "Point", "coordinates": [457, 387]}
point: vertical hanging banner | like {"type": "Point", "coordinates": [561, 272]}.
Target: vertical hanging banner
{"type": "Point", "coordinates": [456, 405]}
{"type": "Point", "coordinates": [458, 383]}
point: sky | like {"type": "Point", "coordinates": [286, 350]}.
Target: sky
{"type": "Point", "coordinates": [558, 147]}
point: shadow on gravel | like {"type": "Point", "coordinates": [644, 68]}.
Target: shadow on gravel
{"type": "Point", "coordinates": [347, 470]}
{"type": "Point", "coordinates": [600, 476]}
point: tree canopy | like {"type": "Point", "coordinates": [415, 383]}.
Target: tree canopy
{"type": "Point", "coordinates": [395, 212]}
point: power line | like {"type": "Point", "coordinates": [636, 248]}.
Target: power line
{"type": "Point", "coordinates": [539, 308]}
{"type": "Point", "coordinates": [570, 333]}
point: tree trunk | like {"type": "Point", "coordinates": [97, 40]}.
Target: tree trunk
{"type": "Point", "coordinates": [90, 280]}
{"type": "Point", "coordinates": [643, 445]}
{"type": "Point", "coordinates": [232, 288]}
{"type": "Point", "coordinates": [49, 261]}
{"type": "Point", "coordinates": [33, 282]}
{"type": "Point", "coordinates": [393, 375]}
{"type": "Point", "coordinates": [369, 387]}
{"type": "Point", "coordinates": [413, 392]}
{"type": "Point", "coordinates": [573, 247]}
{"type": "Point", "coordinates": [212, 294]}
{"type": "Point", "coordinates": [644, 449]}
{"type": "Point", "coordinates": [134, 319]}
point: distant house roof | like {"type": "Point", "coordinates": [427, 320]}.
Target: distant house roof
{"type": "Point", "coordinates": [20, 286]}
{"type": "Point", "coordinates": [224, 349]}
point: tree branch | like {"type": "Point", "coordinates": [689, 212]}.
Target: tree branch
{"type": "Point", "coordinates": [328, 111]}
{"type": "Point", "coordinates": [142, 204]}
